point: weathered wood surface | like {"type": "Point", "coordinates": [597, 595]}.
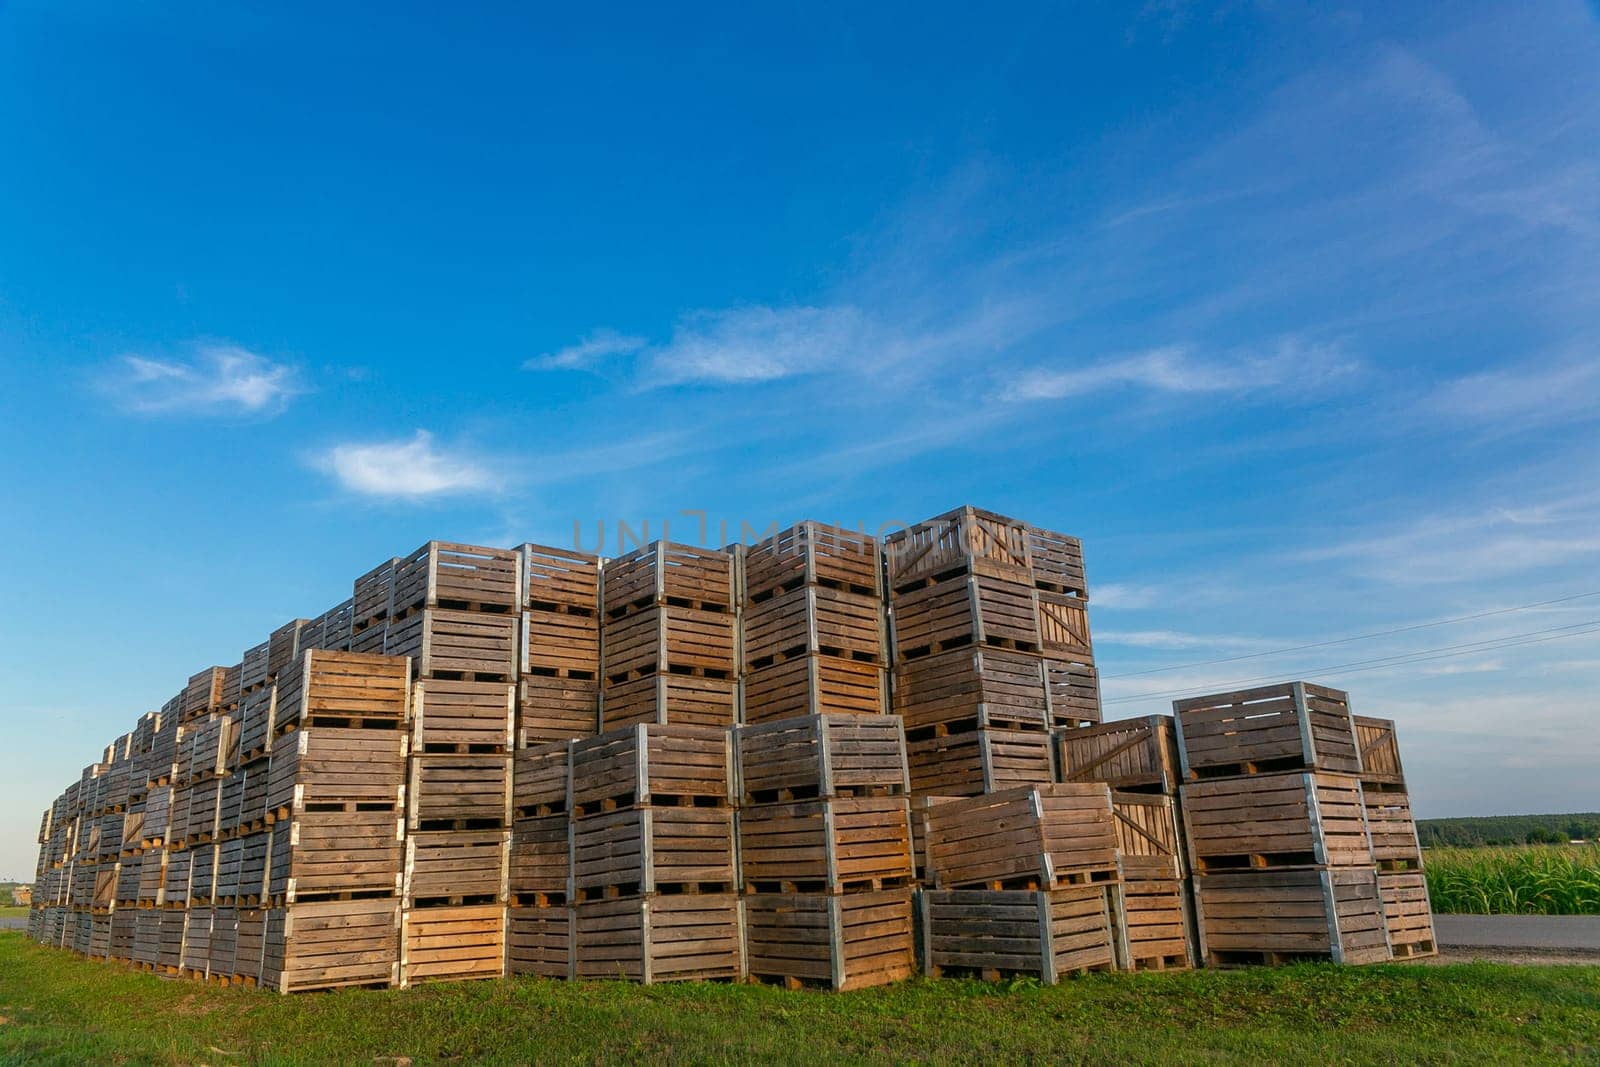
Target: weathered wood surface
{"type": "Point", "coordinates": [814, 685]}
{"type": "Point", "coordinates": [812, 553]}
{"type": "Point", "coordinates": [1036, 837]}
{"type": "Point", "coordinates": [822, 756]}
{"type": "Point", "coordinates": [660, 939]}
{"type": "Point", "coordinates": [835, 941]}
{"type": "Point", "coordinates": [1291, 726]}
{"type": "Point", "coordinates": [1291, 819]}
{"type": "Point", "coordinates": [1137, 753]}
{"type": "Point", "coordinates": [972, 687]}
{"type": "Point", "coordinates": [830, 845]}
{"type": "Point", "coordinates": [444, 574]}
{"type": "Point", "coordinates": [1276, 916]}
{"type": "Point", "coordinates": [1047, 935]}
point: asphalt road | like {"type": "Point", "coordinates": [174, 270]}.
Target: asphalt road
{"type": "Point", "coordinates": [1560, 933]}
{"type": "Point", "coordinates": [13, 924]}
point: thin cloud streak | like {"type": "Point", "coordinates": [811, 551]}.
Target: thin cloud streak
{"type": "Point", "coordinates": [220, 380]}
{"type": "Point", "coordinates": [414, 469]}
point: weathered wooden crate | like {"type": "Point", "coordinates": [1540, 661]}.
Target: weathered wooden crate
{"type": "Point", "coordinates": [230, 803]}
{"type": "Point", "coordinates": [1277, 916]}
{"type": "Point", "coordinates": [343, 690]}
{"type": "Point", "coordinates": [540, 782]}
{"type": "Point", "coordinates": [812, 553]}
{"type": "Point", "coordinates": [202, 874]}
{"type": "Point", "coordinates": [813, 619]}
{"type": "Point", "coordinates": [453, 943]}
{"type": "Point", "coordinates": [814, 685]}
{"type": "Point", "coordinates": [203, 695]}
{"type": "Point", "coordinates": [284, 647]}
{"type": "Point", "coordinates": [647, 849]}
{"type": "Point", "coordinates": [253, 672]}
{"type": "Point", "coordinates": [337, 626]}
{"type": "Point", "coordinates": [540, 867]}
{"type": "Point", "coordinates": [204, 754]}
{"type": "Point", "coordinates": [560, 643]}
{"type": "Point", "coordinates": [336, 855]}
{"type": "Point", "coordinates": [1064, 626]}
{"type": "Point", "coordinates": [1381, 768]}
{"type": "Point", "coordinates": [670, 699]}
{"type": "Point", "coordinates": [258, 710]}
{"type": "Point", "coordinates": [370, 599]}
{"type": "Point", "coordinates": [124, 927]}
{"type": "Point", "coordinates": [331, 944]}
{"type": "Point", "coordinates": [920, 805]}
{"type": "Point", "coordinates": [978, 761]}
{"type": "Point", "coordinates": [822, 756]}
{"type": "Point", "coordinates": [1045, 934]}
{"type": "Point", "coordinates": [963, 541]}
{"type": "Point", "coordinates": [1291, 726]}
{"type": "Point", "coordinates": [1290, 819]}
{"type": "Point", "coordinates": [972, 609]}
{"type": "Point", "coordinates": [230, 857]}
{"type": "Point", "coordinates": [195, 960]}
{"type": "Point", "coordinates": [1057, 562]}
{"type": "Point", "coordinates": [1152, 909]}
{"type": "Point", "coordinates": [1131, 754]}
{"type": "Point", "coordinates": [539, 940]}
{"type": "Point", "coordinates": [470, 791]}
{"type": "Point", "coordinates": [249, 945]}
{"type": "Point", "coordinates": [129, 871]}
{"type": "Point", "coordinates": [444, 574]}
{"type": "Point", "coordinates": [448, 715]}
{"type": "Point", "coordinates": [652, 765]}
{"type": "Point", "coordinates": [829, 845]}
{"type": "Point", "coordinates": [972, 687]}
{"type": "Point", "coordinates": [169, 939]}
{"type": "Point", "coordinates": [1149, 835]}
{"type": "Point", "coordinates": [1394, 833]}
{"type": "Point", "coordinates": [253, 804]}
{"type": "Point", "coordinates": [1039, 837]}
{"type": "Point", "coordinates": [200, 825]}
{"type": "Point", "coordinates": [667, 573]}
{"type": "Point", "coordinates": [555, 578]}
{"type": "Point", "coordinates": [221, 961]}
{"type": "Point", "coordinates": [835, 941]}
{"type": "Point", "coordinates": [1074, 691]}
{"type": "Point", "coordinates": [153, 878]}
{"type": "Point", "coordinates": [556, 709]}
{"type": "Point", "coordinates": [669, 638]}
{"type": "Point", "coordinates": [329, 764]}
{"type": "Point", "coordinates": [255, 858]}
{"type": "Point", "coordinates": [1407, 913]}
{"type": "Point", "coordinates": [456, 644]}
{"type": "Point", "coordinates": [691, 937]}
{"type": "Point", "coordinates": [455, 867]}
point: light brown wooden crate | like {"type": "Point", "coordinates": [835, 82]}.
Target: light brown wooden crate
{"type": "Point", "coordinates": [203, 695]}
{"type": "Point", "coordinates": [812, 553]}
{"type": "Point", "coordinates": [455, 867]}
{"type": "Point", "coordinates": [449, 715]}
{"type": "Point", "coordinates": [1036, 837]}
{"type": "Point", "coordinates": [558, 577]}
{"type": "Point", "coordinates": [670, 699]}
{"type": "Point", "coordinates": [652, 764]}
{"type": "Point", "coordinates": [1380, 753]}
{"type": "Point", "coordinates": [456, 644]}
{"type": "Point", "coordinates": [1074, 690]}
{"type": "Point", "coordinates": [540, 867]}
{"type": "Point", "coordinates": [1064, 626]}
{"type": "Point", "coordinates": [1407, 913]}
{"type": "Point", "coordinates": [1290, 819]}
{"type": "Point", "coordinates": [835, 941]}
{"type": "Point", "coordinates": [961, 541]}
{"type": "Point", "coordinates": [830, 845]}
{"type": "Point", "coordinates": [1137, 753]}
{"type": "Point", "coordinates": [540, 780]}
{"type": "Point", "coordinates": [322, 855]}
{"type": "Point", "coordinates": [668, 637]}
{"type": "Point", "coordinates": [340, 689]}
{"type": "Point", "coordinates": [688, 937]}
{"type": "Point", "coordinates": [331, 944]}
{"type": "Point", "coordinates": [813, 619]}
{"type": "Point", "coordinates": [1275, 916]}
{"type": "Point", "coordinates": [968, 610]}
{"type": "Point", "coordinates": [822, 755]}
{"type": "Point", "coordinates": [556, 709]}
{"type": "Point", "coordinates": [813, 685]}
{"type": "Point", "coordinates": [445, 574]}
{"type": "Point", "coordinates": [1047, 935]}
{"type": "Point", "coordinates": [969, 687]}
{"type": "Point", "coordinates": [1394, 833]}
{"type": "Point", "coordinates": [539, 941]}
{"type": "Point", "coordinates": [325, 764]}
{"type": "Point", "coordinates": [559, 643]}
{"type": "Point", "coordinates": [1291, 726]}
{"type": "Point", "coordinates": [978, 761]}
{"type": "Point", "coordinates": [459, 791]}
{"type": "Point", "coordinates": [1057, 562]}
{"type": "Point", "coordinates": [284, 647]}
{"type": "Point", "coordinates": [370, 599]}
{"type": "Point", "coordinates": [1149, 837]}
{"type": "Point", "coordinates": [665, 572]}
{"type": "Point", "coordinates": [645, 849]}
{"type": "Point", "coordinates": [1153, 920]}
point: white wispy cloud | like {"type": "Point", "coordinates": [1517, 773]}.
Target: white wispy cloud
{"type": "Point", "coordinates": [1177, 639]}
{"type": "Point", "coordinates": [411, 469]}
{"type": "Point", "coordinates": [597, 346]}
{"type": "Point", "coordinates": [1119, 595]}
{"type": "Point", "coordinates": [1180, 369]}
{"type": "Point", "coordinates": [758, 344]}
{"type": "Point", "coordinates": [1522, 396]}
{"type": "Point", "coordinates": [221, 379]}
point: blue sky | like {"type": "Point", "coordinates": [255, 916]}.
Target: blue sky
{"type": "Point", "coordinates": [1289, 311]}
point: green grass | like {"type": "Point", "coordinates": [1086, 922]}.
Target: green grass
{"type": "Point", "coordinates": [13, 911]}
{"type": "Point", "coordinates": [1518, 880]}
{"type": "Point", "coordinates": [58, 1008]}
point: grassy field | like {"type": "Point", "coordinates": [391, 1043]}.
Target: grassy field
{"type": "Point", "coordinates": [1516, 880]}
{"type": "Point", "coordinates": [56, 1008]}
{"type": "Point", "coordinates": [12, 911]}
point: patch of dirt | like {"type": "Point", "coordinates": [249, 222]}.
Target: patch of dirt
{"type": "Point", "coordinates": [1521, 956]}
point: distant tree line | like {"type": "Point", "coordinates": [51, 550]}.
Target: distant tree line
{"type": "Point", "coordinates": [1509, 830]}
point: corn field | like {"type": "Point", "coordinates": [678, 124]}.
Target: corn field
{"type": "Point", "coordinates": [1515, 880]}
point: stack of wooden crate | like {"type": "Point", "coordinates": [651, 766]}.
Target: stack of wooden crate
{"type": "Point", "coordinates": [1277, 829]}
{"type": "Point", "coordinates": [653, 854]}
{"type": "Point", "coordinates": [825, 850]}
{"type": "Point", "coordinates": [1138, 759]}
{"type": "Point", "coordinates": [558, 690]}
{"type": "Point", "coordinates": [812, 634]}
{"type": "Point", "coordinates": [991, 649]}
{"type": "Point", "coordinates": [668, 637]}
{"type": "Point", "coordinates": [1407, 910]}
{"type": "Point", "coordinates": [1023, 882]}
{"type": "Point", "coordinates": [539, 933]}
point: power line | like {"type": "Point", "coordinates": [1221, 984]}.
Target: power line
{"type": "Point", "coordinates": [1357, 637]}
{"type": "Point", "coordinates": [1532, 637]}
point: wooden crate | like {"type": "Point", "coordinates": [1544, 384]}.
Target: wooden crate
{"type": "Point", "coordinates": [445, 643]}
{"type": "Point", "coordinates": [153, 878]}
{"type": "Point", "coordinates": [691, 937]}
{"type": "Point", "coordinates": [1064, 626]}
{"type": "Point", "coordinates": [336, 855]}
{"type": "Point", "coordinates": [1153, 907]}
{"type": "Point", "coordinates": [1381, 768]}
{"type": "Point", "coordinates": [224, 944]}
{"type": "Point", "coordinates": [814, 685]}
{"type": "Point", "coordinates": [175, 882]}
{"type": "Point", "coordinates": [370, 600]}
{"type": "Point", "coordinates": [1057, 562]}
{"type": "Point", "coordinates": [1277, 916]}
{"type": "Point", "coordinates": [560, 643]}
{"type": "Point", "coordinates": [196, 954]}
{"type": "Point", "coordinates": [963, 541]}
{"type": "Point", "coordinates": [258, 711]}
{"type": "Point", "coordinates": [830, 845]}
{"type": "Point", "coordinates": [169, 939]}
{"type": "Point", "coordinates": [372, 640]}
{"type": "Point", "coordinates": [1292, 819]}
{"type": "Point", "coordinates": [462, 792]}
{"type": "Point", "coordinates": [124, 927]}
{"type": "Point", "coordinates": [1129, 754]}
{"type": "Point", "coordinates": [202, 874]}
{"type": "Point", "coordinates": [203, 695]}
{"type": "Point", "coordinates": [284, 647]}
{"type": "Point", "coordinates": [812, 553]}
{"type": "Point", "coordinates": [253, 802]}
{"type": "Point", "coordinates": [455, 867]}
{"type": "Point", "coordinates": [813, 619]}
{"type": "Point", "coordinates": [230, 858]}
{"type": "Point", "coordinates": [453, 943]}
{"type": "Point", "coordinates": [331, 944]}
{"type": "Point", "coordinates": [1074, 691]}
{"type": "Point", "coordinates": [230, 803]}
{"type": "Point", "coordinates": [342, 689]}
{"type": "Point", "coordinates": [540, 867]}
{"type": "Point", "coordinates": [1407, 913]}
{"type": "Point", "coordinates": [333, 627]}
{"type": "Point", "coordinates": [1291, 726]}
{"type": "Point", "coordinates": [255, 858]}
{"type": "Point", "coordinates": [647, 849]}
{"type": "Point", "coordinates": [667, 573]}
{"type": "Point", "coordinates": [540, 780]}
{"type": "Point", "coordinates": [668, 638]}
{"type": "Point", "coordinates": [452, 716]}
{"type": "Point", "coordinates": [324, 763]}
{"type": "Point", "coordinates": [559, 578]}
{"type": "Point", "coordinates": [835, 941]}
{"type": "Point", "coordinates": [556, 709]}
{"type": "Point", "coordinates": [129, 872]}
{"type": "Point", "coordinates": [1039, 837]}
{"type": "Point", "coordinates": [972, 687]}
{"type": "Point", "coordinates": [670, 699]}
{"type": "Point", "coordinates": [1149, 834]}
{"type": "Point", "coordinates": [920, 806]}
{"type": "Point", "coordinates": [444, 574]}
{"type": "Point", "coordinates": [253, 673]}
{"type": "Point", "coordinates": [203, 755]}
{"type": "Point", "coordinates": [539, 940]}
{"type": "Point", "coordinates": [249, 944]}
{"type": "Point", "coordinates": [1394, 833]}
{"type": "Point", "coordinates": [652, 765]}
{"type": "Point", "coordinates": [164, 746]}
{"type": "Point", "coordinates": [979, 761]}
{"type": "Point", "coordinates": [964, 611]}
{"type": "Point", "coordinates": [822, 756]}
{"type": "Point", "coordinates": [1047, 935]}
